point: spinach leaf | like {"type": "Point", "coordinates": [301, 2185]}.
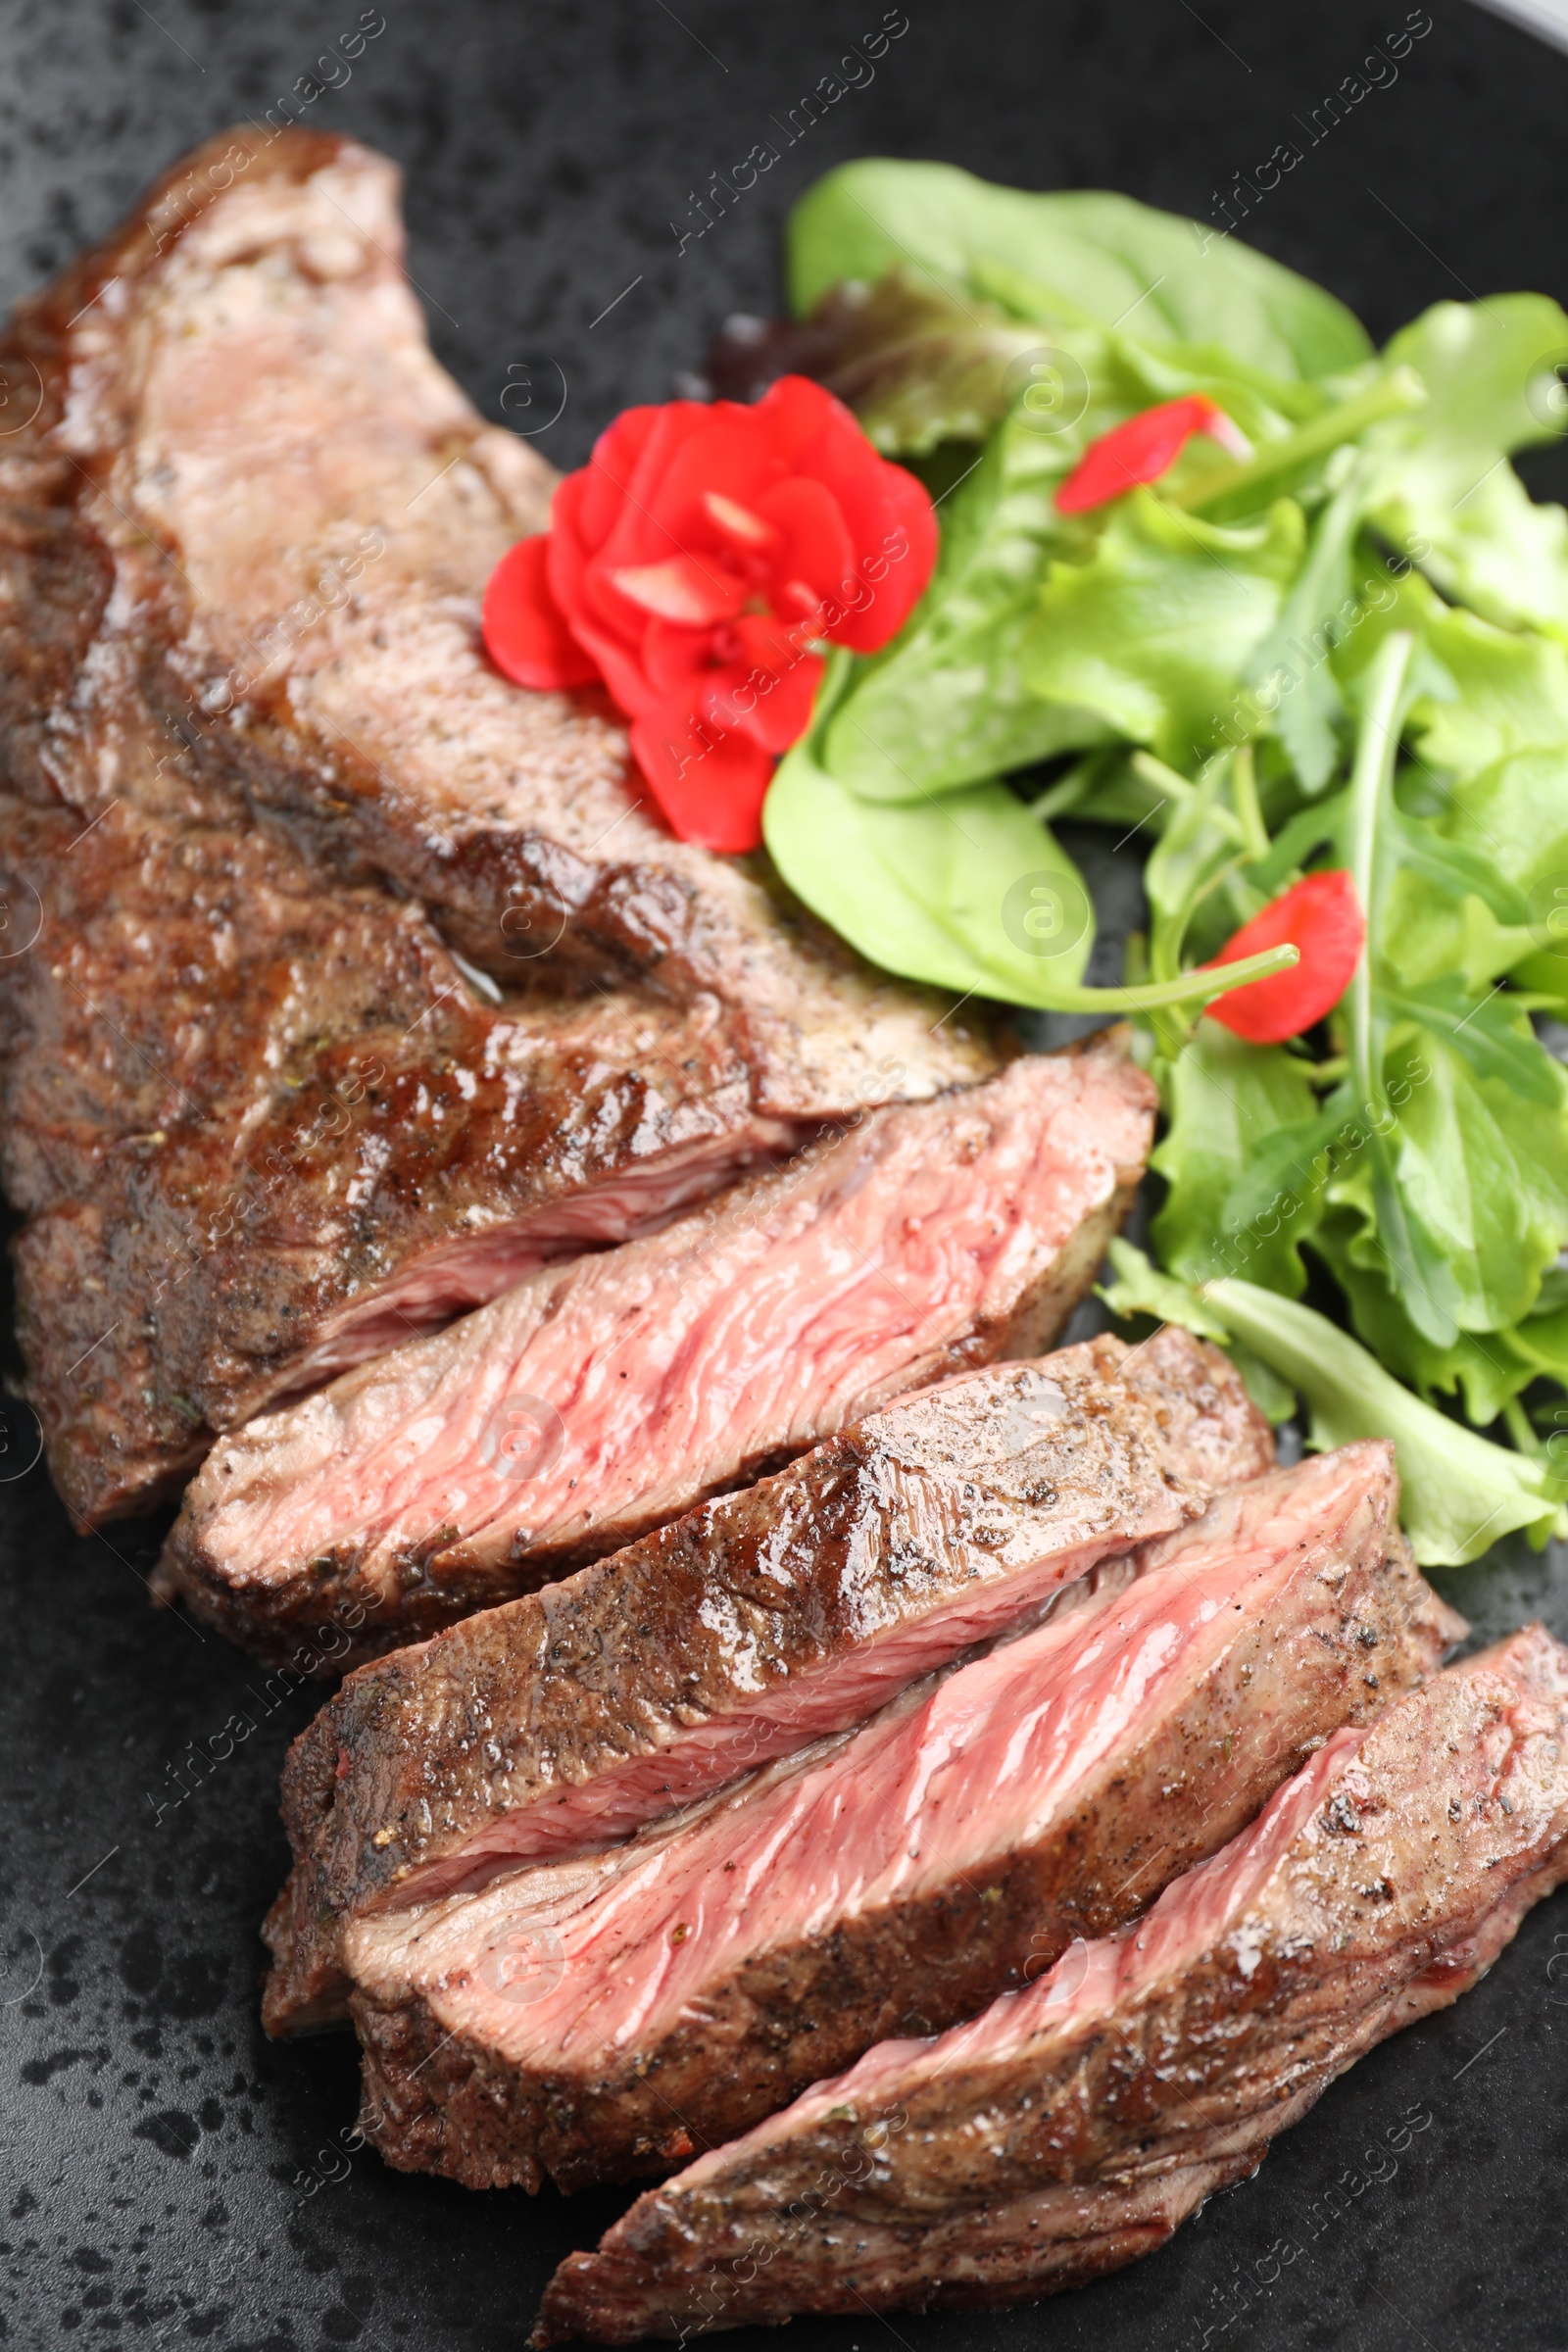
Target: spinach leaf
{"type": "Point", "coordinates": [1105, 257]}
{"type": "Point", "coordinates": [967, 889]}
{"type": "Point", "coordinates": [946, 704]}
{"type": "Point", "coordinates": [1459, 1491]}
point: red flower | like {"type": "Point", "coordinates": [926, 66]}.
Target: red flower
{"type": "Point", "coordinates": [1322, 916]}
{"type": "Point", "coordinates": [1142, 448]}
{"type": "Point", "coordinates": [692, 563]}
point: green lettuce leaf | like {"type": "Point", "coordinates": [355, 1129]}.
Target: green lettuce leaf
{"type": "Point", "coordinates": [1489, 369]}
{"type": "Point", "coordinates": [1154, 631]}
{"type": "Point", "coordinates": [1504, 692]}
{"type": "Point", "coordinates": [1488, 1370]}
{"type": "Point", "coordinates": [1459, 1491]}
{"type": "Point", "coordinates": [1105, 259]}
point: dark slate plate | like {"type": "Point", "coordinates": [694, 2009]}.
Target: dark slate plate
{"type": "Point", "coordinates": [173, 2179]}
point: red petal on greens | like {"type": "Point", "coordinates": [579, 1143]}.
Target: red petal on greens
{"type": "Point", "coordinates": [1138, 451]}
{"type": "Point", "coordinates": [525, 632]}
{"type": "Point", "coordinates": [1322, 916]}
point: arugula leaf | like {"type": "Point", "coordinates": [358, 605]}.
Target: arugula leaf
{"type": "Point", "coordinates": [1153, 631]}
{"type": "Point", "coordinates": [1104, 257]}
{"type": "Point", "coordinates": [1293, 659]}
{"type": "Point", "coordinates": [1229, 1103]}
{"type": "Point", "coordinates": [1472, 1163]}
{"type": "Point", "coordinates": [1460, 1492]}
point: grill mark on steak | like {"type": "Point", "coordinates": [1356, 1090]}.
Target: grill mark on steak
{"type": "Point", "coordinates": [241, 410]}
{"type": "Point", "coordinates": [208, 1234]}
{"type": "Point", "coordinates": [761, 1621]}
{"type": "Point", "coordinates": [598, 2019]}
{"type": "Point", "coordinates": [1075, 2125]}
{"type": "Point", "coordinates": [929, 1238]}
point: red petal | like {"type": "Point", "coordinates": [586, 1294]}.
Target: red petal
{"type": "Point", "coordinates": [737, 523]}
{"type": "Point", "coordinates": [887, 513]}
{"type": "Point", "coordinates": [1322, 916]}
{"type": "Point", "coordinates": [1139, 451]}
{"type": "Point", "coordinates": [710, 784]}
{"type": "Point", "coordinates": [608, 628]}
{"type": "Point", "coordinates": [768, 693]}
{"type": "Point", "coordinates": [613, 464]}
{"type": "Point", "coordinates": [692, 594]}
{"type": "Point", "coordinates": [525, 633]}
{"type": "Point", "coordinates": [676, 661]}
{"type": "Point", "coordinates": [814, 545]}
{"type": "Point", "coordinates": [734, 454]}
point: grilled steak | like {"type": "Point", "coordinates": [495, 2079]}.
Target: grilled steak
{"type": "Point", "coordinates": [597, 1400]}
{"type": "Point", "coordinates": [597, 2019]}
{"type": "Point", "coordinates": [1074, 2125]}
{"type": "Point", "coordinates": [762, 1621]}
{"type": "Point", "coordinates": [262, 1124]}
{"type": "Point", "coordinates": [259, 440]}
{"type": "Point", "coordinates": [264, 1130]}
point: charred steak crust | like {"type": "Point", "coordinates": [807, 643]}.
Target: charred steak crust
{"type": "Point", "coordinates": [250, 1101]}
{"type": "Point", "coordinates": [1343, 1633]}
{"type": "Point", "coordinates": [600, 1682]}
{"type": "Point", "coordinates": [926, 1238]}
{"type": "Point", "coordinates": [1072, 2129]}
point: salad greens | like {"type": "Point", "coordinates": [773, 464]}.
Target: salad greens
{"type": "Point", "coordinates": [1460, 1492]}
{"type": "Point", "coordinates": [1345, 646]}
{"type": "Point", "coordinates": [1095, 257]}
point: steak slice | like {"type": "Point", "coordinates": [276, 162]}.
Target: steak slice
{"type": "Point", "coordinates": [242, 427]}
{"type": "Point", "coordinates": [1074, 2125]}
{"type": "Point", "coordinates": [763, 1620]}
{"type": "Point", "coordinates": [264, 1130]}
{"type": "Point", "coordinates": [595, 1401]}
{"type": "Point", "coordinates": [597, 2019]}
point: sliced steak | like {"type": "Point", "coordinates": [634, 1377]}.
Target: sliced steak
{"type": "Point", "coordinates": [1074, 2125]}
{"type": "Point", "coordinates": [243, 532]}
{"type": "Point", "coordinates": [598, 2019]}
{"type": "Point", "coordinates": [762, 1621]}
{"type": "Point", "coordinates": [597, 1401]}
{"type": "Point", "coordinates": [243, 427]}
{"type": "Point", "coordinates": [264, 1130]}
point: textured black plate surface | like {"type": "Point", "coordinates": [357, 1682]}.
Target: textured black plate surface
{"type": "Point", "coordinates": [171, 2177]}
